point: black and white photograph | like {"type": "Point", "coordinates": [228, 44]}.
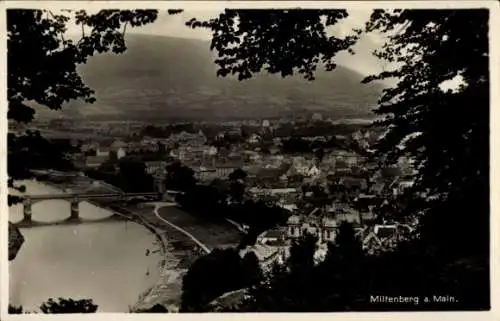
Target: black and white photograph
{"type": "Point", "coordinates": [211, 157]}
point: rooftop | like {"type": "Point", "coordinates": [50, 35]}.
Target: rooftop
{"type": "Point", "coordinates": [273, 234]}
{"type": "Point", "coordinates": [96, 159]}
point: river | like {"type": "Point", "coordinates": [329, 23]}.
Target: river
{"type": "Point", "coordinates": [104, 261]}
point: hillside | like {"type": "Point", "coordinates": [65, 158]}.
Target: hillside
{"type": "Point", "coordinates": [164, 77]}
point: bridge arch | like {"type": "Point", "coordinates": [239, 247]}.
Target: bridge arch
{"type": "Point", "coordinates": [76, 198]}
{"type": "Point", "coordinates": [58, 200]}
{"type": "Point", "coordinates": [73, 203]}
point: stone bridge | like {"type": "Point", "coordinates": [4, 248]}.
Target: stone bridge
{"type": "Point", "coordinates": [76, 198]}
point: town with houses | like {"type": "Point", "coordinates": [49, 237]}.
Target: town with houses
{"type": "Point", "coordinates": [336, 163]}
{"type": "Point", "coordinates": [255, 161]}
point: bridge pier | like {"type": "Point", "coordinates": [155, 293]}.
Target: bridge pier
{"type": "Point", "coordinates": [75, 199]}
{"type": "Point", "coordinates": [27, 210]}
{"type": "Point", "coordinates": [75, 212]}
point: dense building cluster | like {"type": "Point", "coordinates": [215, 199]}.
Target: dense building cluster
{"type": "Point", "coordinates": [321, 172]}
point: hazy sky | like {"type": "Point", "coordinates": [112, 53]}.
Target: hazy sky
{"type": "Point", "coordinates": [362, 61]}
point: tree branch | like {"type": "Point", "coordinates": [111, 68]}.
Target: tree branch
{"type": "Point", "coordinates": [124, 28]}
{"type": "Point", "coordinates": [62, 35]}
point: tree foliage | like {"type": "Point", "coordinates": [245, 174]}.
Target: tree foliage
{"type": "Point", "coordinates": [217, 273]}
{"type": "Point", "coordinates": [33, 151]}
{"type": "Point", "coordinates": [157, 308]}
{"type": "Point", "coordinates": [290, 287]}
{"type": "Point", "coordinates": [276, 41]}
{"type": "Point", "coordinates": [132, 176]}
{"type": "Point", "coordinates": [49, 78]}
{"type": "Point", "coordinates": [15, 309]}
{"type": "Point", "coordinates": [180, 177]}
{"type": "Point", "coordinates": [68, 306]}
{"type": "Point", "coordinates": [42, 72]}
{"type": "Point", "coordinates": [453, 159]}
{"type": "Point", "coordinates": [444, 130]}
{"type": "Point", "coordinates": [237, 185]}
{"type": "Point", "coordinates": [60, 305]}
{"type": "Point", "coordinates": [237, 174]}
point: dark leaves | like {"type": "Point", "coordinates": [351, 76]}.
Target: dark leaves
{"type": "Point", "coordinates": [432, 46]}
{"type": "Point", "coordinates": [20, 112]}
{"type": "Point", "coordinates": [283, 42]}
{"type": "Point", "coordinates": [445, 133]}
{"type": "Point", "coordinates": [216, 273]}
{"type": "Point", "coordinates": [41, 68]}
{"type": "Point", "coordinates": [49, 76]}
{"type": "Point", "coordinates": [68, 306]}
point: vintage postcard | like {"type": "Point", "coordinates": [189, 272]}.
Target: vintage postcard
{"type": "Point", "coordinates": [250, 157]}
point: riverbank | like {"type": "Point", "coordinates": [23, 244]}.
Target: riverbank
{"type": "Point", "coordinates": [144, 297]}
{"type": "Point", "coordinates": [106, 257]}
{"type": "Point", "coordinates": [180, 252]}
{"type": "Point", "coordinates": [181, 242]}
{"type": "Point", "coordinates": [118, 213]}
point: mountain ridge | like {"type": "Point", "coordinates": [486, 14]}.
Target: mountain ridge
{"type": "Point", "coordinates": [169, 77]}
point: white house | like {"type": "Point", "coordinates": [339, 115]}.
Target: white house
{"type": "Point", "coordinates": [399, 187]}
{"type": "Point", "coordinates": [120, 153]}
{"type": "Point", "coordinates": [289, 207]}
{"type": "Point", "coordinates": [271, 236]}
{"type": "Point", "coordinates": [325, 229]}
{"type": "Point", "coordinates": [211, 151]}
{"type": "Point", "coordinates": [358, 135]}
{"type": "Point", "coordinates": [254, 139]}
{"type": "Point", "coordinates": [317, 117]}
{"type": "Point", "coordinates": [102, 151]}
{"type": "Point", "coordinates": [153, 167]}
{"type": "Point", "coordinates": [314, 171]}
{"type": "Point", "coordinates": [329, 228]}
{"type": "Point", "coordinates": [383, 237]}
{"type": "Point", "coordinates": [300, 168]}
{"type": "Point", "coordinates": [294, 226]}
{"type": "Point", "coordinates": [95, 161]}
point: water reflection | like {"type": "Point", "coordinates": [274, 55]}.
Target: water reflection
{"type": "Point", "coordinates": [104, 261]}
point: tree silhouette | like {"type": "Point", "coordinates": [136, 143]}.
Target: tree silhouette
{"type": "Point", "coordinates": [320, 198]}
{"type": "Point", "coordinates": [237, 185]}
{"type": "Point", "coordinates": [453, 159]}
{"type": "Point", "coordinates": [252, 273]}
{"type": "Point", "coordinates": [277, 41]}
{"type": "Point", "coordinates": [219, 190]}
{"type": "Point", "coordinates": [216, 273]}
{"type": "Point", "coordinates": [49, 78]}
{"type": "Point", "coordinates": [237, 174]}
{"type": "Point", "coordinates": [302, 255]}
{"type": "Point", "coordinates": [133, 177]}
{"type": "Point", "coordinates": [60, 305]}
{"type": "Point", "coordinates": [68, 306]}
{"type": "Point", "coordinates": [15, 309]}
{"type": "Point", "coordinates": [444, 130]}
{"type": "Point", "coordinates": [319, 153]}
{"type": "Point", "coordinates": [288, 287]}
{"type": "Point", "coordinates": [180, 177]}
